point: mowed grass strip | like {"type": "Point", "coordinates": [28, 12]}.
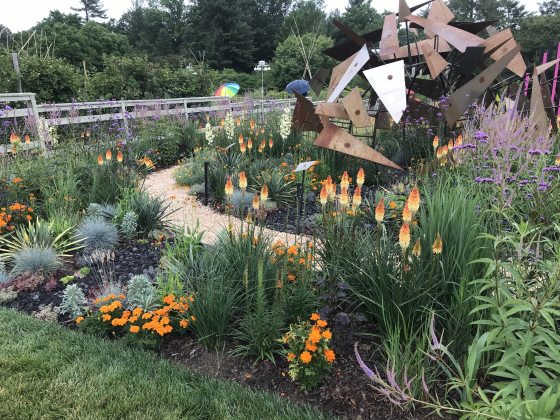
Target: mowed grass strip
{"type": "Point", "coordinates": [49, 372]}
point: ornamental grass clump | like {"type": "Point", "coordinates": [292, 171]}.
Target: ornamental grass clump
{"type": "Point", "coordinates": [306, 347]}
{"type": "Point", "coordinates": [97, 234]}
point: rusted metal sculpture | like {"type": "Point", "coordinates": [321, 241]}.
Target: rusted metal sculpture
{"type": "Point", "coordinates": [453, 61]}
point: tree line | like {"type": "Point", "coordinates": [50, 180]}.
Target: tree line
{"type": "Point", "coordinates": [164, 48]}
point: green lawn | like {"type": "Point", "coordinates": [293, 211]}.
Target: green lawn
{"type": "Point", "coordinates": [48, 372]}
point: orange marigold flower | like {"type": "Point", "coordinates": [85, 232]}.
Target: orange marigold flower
{"type": "Point", "coordinates": [404, 236]}
{"type": "Point", "coordinates": [292, 250]}
{"type": "Point", "coordinates": [147, 315]}
{"type": "Point", "coordinates": [134, 329]}
{"type": "Point", "coordinates": [229, 186]}
{"type": "Point", "coordinates": [106, 318]}
{"type": "Point", "coordinates": [292, 277]}
{"type": "Point", "coordinates": [327, 335]}
{"type": "Point", "coordinates": [315, 335]}
{"type": "Point", "coordinates": [242, 180]}
{"type": "Point", "coordinates": [437, 246]}
{"type": "Point", "coordinates": [329, 355]}
{"type": "Point", "coordinates": [184, 323]}
{"type": "Point", "coordinates": [169, 299]}
{"type": "Point", "coordinates": [392, 205]}
{"type": "Point", "coordinates": [414, 200]}
{"type": "Point", "coordinates": [417, 248]}
{"type": "Point", "coordinates": [137, 311]}
{"type": "Point", "coordinates": [321, 323]}
{"type": "Point", "coordinates": [310, 346]}
{"type": "Point", "coordinates": [315, 316]}
{"type": "Point", "coordinates": [291, 357]}
{"type": "Point", "coordinates": [79, 319]}
{"type": "Point", "coordinates": [305, 357]}
{"type": "Point", "coordinates": [360, 178]}
{"type": "Point", "coordinates": [193, 318]}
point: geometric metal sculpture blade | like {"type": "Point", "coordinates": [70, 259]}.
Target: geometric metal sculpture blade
{"type": "Point", "coordinates": [389, 45]}
{"type": "Point", "coordinates": [304, 117]}
{"type": "Point", "coordinates": [319, 80]}
{"type": "Point", "coordinates": [470, 92]}
{"type": "Point", "coordinates": [404, 11]}
{"type": "Point", "coordinates": [458, 38]}
{"type": "Point", "coordinates": [506, 40]}
{"type": "Point", "coordinates": [345, 72]}
{"type": "Point", "coordinates": [439, 12]}
{"type": "Point", "coordinates": [332, 110]}
{"type": "Point", "coordinates": [538, 114]}
{"type": "Point", "coordinates": [339, 140]}
{"type": "Point", "coordinates": [436, 63]}
{"type": "Point", "coordinates": [354, 106]}
{"type": "Point", "coordinates": [388, 81]}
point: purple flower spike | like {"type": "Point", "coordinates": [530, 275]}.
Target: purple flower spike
{"type": "Point", "coordinates": [364, 367]}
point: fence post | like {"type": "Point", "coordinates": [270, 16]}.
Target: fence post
{"type": "Point", "coordinates": [125, 121]}
{"type": "Point", "coordinates": [35, 111]}
{"type": "Point", "coordinates": [185, 109]}
{"type": "Point", "coordinates": [15, 61]}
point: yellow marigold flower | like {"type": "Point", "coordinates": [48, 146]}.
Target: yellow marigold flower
{"type": "Point", "coordinates": [380, 211]}
{"type": "Point", "coordinates": [229, 186]}
{"type": "Point", "coordinates": [414, 200]}
{"type": "Point", "coordinates": [329, 355]}
{"type": "Point", "coordinates": [242, 180]}
{"type": "Point", "coordinates": [315, 316]}
{"type": "Point", "coordinates": [404, 236]}
{"type": "Point", "coordinates": [437, 246]}
{"type": "Point", "coordinates": [106, 318]}
{"type": "Point", "coordinates": [305, 357]}
{"type": "Point", "coordinates": [315, 335]}
{"type": "Point", "coordinates": [327, 335]}
{"type": "Point", "coordinates": [79, 319]}
{"type": "Point", "coordinates": [310, 346]}
{"type": "Point", "coordinates": [406, 213]}
{"type": "Point", "coordinates": [417, 248]}
{"type": "Point", "coordinates": [184, 323]}
{"type": "Point", "coordinates": [321, 323]}
{"type": "Point", "coordinates": [134, 329]}
{"type": "Point", "coordinates": [291, 357]}
{"type": "Point", "coordinates": [360, 178]}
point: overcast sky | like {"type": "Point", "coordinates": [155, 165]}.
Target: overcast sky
{"type": "Point", "coordinates": [22, 14]}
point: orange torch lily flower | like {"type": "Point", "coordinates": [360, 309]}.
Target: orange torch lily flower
{"type": "Point", "coordinates": [406, 214]}
{"type": "Point", "coordinates": [439, 152]}
{"type": "Point", "coordinates": [264, 192]}
{"type": "Point", "coordinates": [252, 124]}
{"type": "Point", "coordinates": [27, 139]}
{"type": "Point", "coordinates": [557, 161]}
{"type": "Point", "coordinates": [263, 144]}
{"type": "Point", "coordinates": [229, 187]}
{"type": "Point", "coordinates": [437, 246]}
{"type": "Point", "coordinates": [241, 139]}
{"type": "Point", "coordinates": [417, 248]}
{"type": "Point", "coordinates": [243, 147]}
{"type": "Point", "coordinates": [414, 200]}
{"type": "Point", "coordinates": [256, 202]}
{"type": "Point", "coordinates": [324, 196]}
{"type": "Point", "coordinates": [380, 211]}
{"type": "Point", "coordinates": [14, 138]}
{"type": "Point", "coordinates": [435, 143]}
{"type": "Point", "coordinates": [100, 160]}
{"type": "Point", "coordinates": [344, 182]}
{"type": "Point", "coordinates": [249, 144]}
{"type": "Point", "coordinates": [459, 140]}
{"type": "Point", "coordinates": [357, 197]}
{"type": "Point", "coordinates": [343, 196]}
{"type": "Point", "coordinates": [119, 156]}
{"type": "Point", "coordinates": [360, 178]}
{"type": "Point", "coordinates": [450, 145]}
{"type": "Point", "coordinates": [270, 143]}
{"type": "Point", "coordinates": [404, 236]}
{"type": "Point", "coordinates": [444, 151]}
{"type": "Point", "coordinates": [242, 180]}
{"type": "Point", "coordinates": [108, 155]}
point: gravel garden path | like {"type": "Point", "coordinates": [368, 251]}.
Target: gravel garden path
{"type": "Point", "coordinates": [189, 211]}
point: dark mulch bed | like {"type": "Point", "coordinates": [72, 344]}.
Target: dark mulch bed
{"type": "Point", "coordinates": [346, 393]}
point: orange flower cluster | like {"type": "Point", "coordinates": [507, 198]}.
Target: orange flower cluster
{"type": "Point", "coordinates": [13, 215]}
{"type": "Point", "coordinates": [162, 321]}
{"type": "Point", "coordinates": [345, 197]}
{"type": "Point", "coordinates": [443, 153]}
{"type": "Point", "coordinates": [308, 352]}
{"type": "Point", "coordinates": [297, 258]}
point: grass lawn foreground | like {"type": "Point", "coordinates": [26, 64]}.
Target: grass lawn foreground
{"type": "Point", "coordinates": [48, 372]}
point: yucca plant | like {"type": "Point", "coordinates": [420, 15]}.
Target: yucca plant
{"type": "Point", "coordinates": [38, 234]}
{"type": "Point", "coordinates": [280, 190]}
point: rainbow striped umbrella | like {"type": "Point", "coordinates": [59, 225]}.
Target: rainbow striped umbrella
{"type": "Point", "coordinates": [227, 89]}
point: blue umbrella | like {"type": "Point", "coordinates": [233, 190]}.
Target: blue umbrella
{"type": "Point", "coordinates": [298, 86]}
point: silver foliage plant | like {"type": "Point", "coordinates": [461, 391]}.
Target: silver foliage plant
{"type": "Point", "coordinates": [73, 301]}
{"type": "Point", "coordinates": [141, 293]}
{"type": "Point", "coordinates": [129, 224]}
